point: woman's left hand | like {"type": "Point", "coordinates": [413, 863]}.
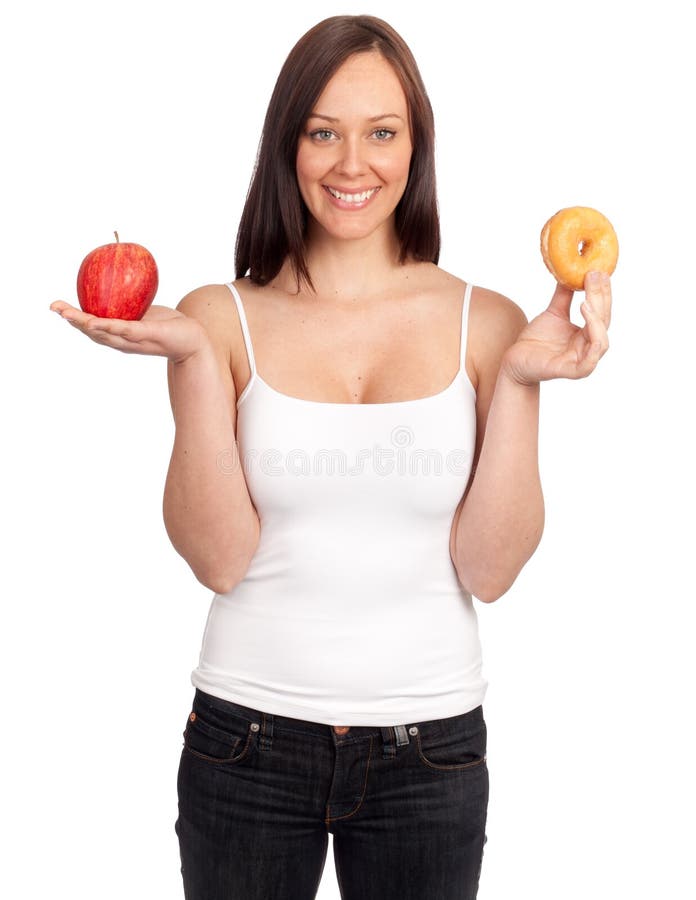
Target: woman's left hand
{"type": "Point", "coordinates": [551, 346]}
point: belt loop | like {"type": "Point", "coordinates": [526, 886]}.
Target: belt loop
{"type": "Point", "coordinates": [401, 735]}
{"type": "Point", "coordinates": [388, 748]}
{"type": "Point", "coordinates": [266, 736]}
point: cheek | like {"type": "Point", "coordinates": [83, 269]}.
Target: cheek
{"type": "Point", "coordinates": [307, 165]}
{"type": "Point", "coordinates": [399, 164]}
{"type": "Point", "coordinates": [304, 175]}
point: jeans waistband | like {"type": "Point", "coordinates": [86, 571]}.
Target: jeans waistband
{"type": "Point", "coordinates": [393, 736]}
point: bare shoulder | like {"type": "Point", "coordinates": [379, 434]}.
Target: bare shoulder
{"type": "Point", "coordinates": [491, 311]}
{"type": "Point", "coordinates": [495, 322]}
{"type": "Point", "coordinates": [495, 318]}
{"type": "Point", "coordinates": [212, 305]}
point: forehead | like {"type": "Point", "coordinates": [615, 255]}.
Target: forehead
{"type": "Point", "coordinates": [364, 85]}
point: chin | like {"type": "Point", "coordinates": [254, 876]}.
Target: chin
{"type": "Point", "coordinates": [353, 230]}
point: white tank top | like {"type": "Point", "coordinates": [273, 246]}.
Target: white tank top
{"type": "Point", "coordinates": [351, 612]}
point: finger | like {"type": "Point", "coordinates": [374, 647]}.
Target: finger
{"type": "Point", "coordinates": [606, 296]}
{"type": "Point", "coordinates": [87, 321]}
{"type": "Point", "coordinates": [101, 330]}
{"type": "Point", "coordinates": [125, 330]}
{"type": "Point", "coordinates": [59, 306]}
{"type": "Point", "coordinates": [71, 313]}
{"type": "Point", "coordinates": [582, 359]}
{"type": "Point", "coordinates": [595, 329]}
{"type": "Point", "coordinates": [588, 363]}
{"type": "Point", "coordinates": [561, 300]}
{"type": "Point", "coordinates": [598, 292]}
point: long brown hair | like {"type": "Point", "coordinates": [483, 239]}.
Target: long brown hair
{"type": "Point", "coordinates": [274, 218]}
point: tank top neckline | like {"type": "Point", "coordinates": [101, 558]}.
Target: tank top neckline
{"type": "Point", "coordinates": [343, 403]}
{"type": "Point", "coordinates": [461, 372]}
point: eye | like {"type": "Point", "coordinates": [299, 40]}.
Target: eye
{"type": "Point", "coordinates": [385, 131]}
{"type": "Point", "coordinates": [318, 132]}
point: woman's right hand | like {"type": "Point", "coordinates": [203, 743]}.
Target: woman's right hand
{"type": "Point", "coordinates": [162, 331]}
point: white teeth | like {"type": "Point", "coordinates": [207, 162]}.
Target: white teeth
{"type": "Point", "coordinates": [352, 198]}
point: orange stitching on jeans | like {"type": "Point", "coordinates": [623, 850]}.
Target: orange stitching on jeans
{"type": "Point", "coordinates": [227, 760]}
{"type": "Point", "coordinates": [469, 765]}
{"type": "Point", "coordinates": [331, 818]}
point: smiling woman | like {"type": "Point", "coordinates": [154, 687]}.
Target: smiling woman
{"type": "Point", "coordinates": [339, 686]}
{"type": "Point", "coordinates": [345, 639]}
{"type": "Point", "coordinates": [380, 85]}
{"type": "Point", "coordinates": [355, 165]}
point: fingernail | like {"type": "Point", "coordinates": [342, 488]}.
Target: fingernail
{"type": "Point", "coordinates": [594, 278]}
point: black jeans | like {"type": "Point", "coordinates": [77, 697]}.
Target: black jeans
{"type": "Point", "coordinates": [259, 793]}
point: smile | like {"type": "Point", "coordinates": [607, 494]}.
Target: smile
{"type": "Point", "coordinates": [356, 199]}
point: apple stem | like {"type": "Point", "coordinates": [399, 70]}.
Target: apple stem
{"type": "Point", "coordinates": [117, 240]}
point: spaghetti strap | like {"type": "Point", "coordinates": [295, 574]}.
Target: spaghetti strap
{"type": "Point", "coordinates": [465, 326]}
{"type": "Point", "coordinates": [245, 329]}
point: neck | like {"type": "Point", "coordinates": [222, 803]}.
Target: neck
{"type": "Point", "coordinates": [345, 269]}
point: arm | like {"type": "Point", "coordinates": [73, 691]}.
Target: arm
{"type": "Point", "coordinates": [208, 513]}
{"type": "Point", "coordinates": [500, 520]}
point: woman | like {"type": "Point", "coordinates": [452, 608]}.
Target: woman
{"type": "Point", "coordinates": [355, 458]}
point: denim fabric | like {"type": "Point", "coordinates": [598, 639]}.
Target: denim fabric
{"type": "Point", "coordinates": [259, 793]}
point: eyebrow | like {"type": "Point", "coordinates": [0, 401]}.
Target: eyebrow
{"type": "Point", "coordinates": [315, 115]}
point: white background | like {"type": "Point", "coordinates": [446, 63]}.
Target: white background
{"type": "Point", "coordinates": [145, 117]}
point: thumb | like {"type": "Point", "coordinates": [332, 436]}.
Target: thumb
{"type": "Point", "coordinates": [561, 300]}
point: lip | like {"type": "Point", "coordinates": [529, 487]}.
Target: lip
{"type": "Point", "coordinates": [351, 190]}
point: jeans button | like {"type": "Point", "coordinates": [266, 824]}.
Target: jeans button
{"type": "Point", "coordinates": [341, 729]}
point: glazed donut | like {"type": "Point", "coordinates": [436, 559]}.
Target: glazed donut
{"type": "Point", "coordinates": [577, 240]}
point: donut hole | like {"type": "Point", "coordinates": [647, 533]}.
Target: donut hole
{"type": "Point", "coordinates": [582, 246]}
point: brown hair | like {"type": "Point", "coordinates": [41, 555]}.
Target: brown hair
{"type": "Point", "coordinates": [274, 218]}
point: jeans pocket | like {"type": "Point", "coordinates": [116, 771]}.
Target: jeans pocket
{"type": "Point", "coordinates": [224, 746]}
{"type": "Point", "coordinates": [451, 745]}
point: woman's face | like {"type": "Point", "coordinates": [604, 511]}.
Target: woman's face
{"type": "Point", "coordinates": [356, 140]}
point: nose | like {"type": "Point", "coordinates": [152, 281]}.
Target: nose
{"type": "Point", "coordinates": [352, 161]}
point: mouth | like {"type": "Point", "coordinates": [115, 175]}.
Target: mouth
{"type": "Point", "coordinates": [351, 200]}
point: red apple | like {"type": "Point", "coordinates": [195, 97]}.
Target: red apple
{"type": "Point", "coordinates": [117, 281]}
